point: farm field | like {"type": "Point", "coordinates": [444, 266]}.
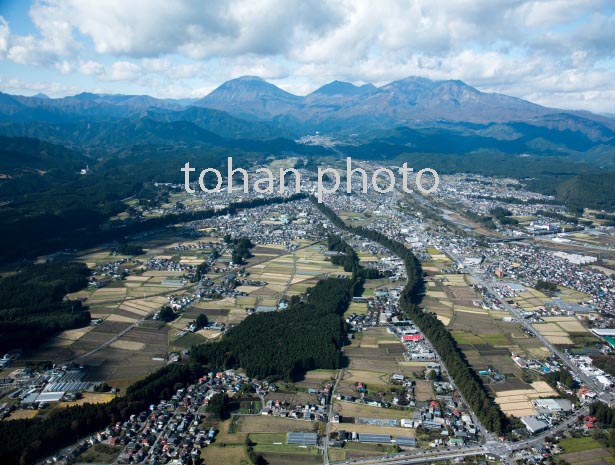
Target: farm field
{"type": "Point", "coordinates": [488, 343]}
{"type": "Point", "coordinates": [316, 378]}
{"type": "Point", "coordinates": [21, 415]}
{"type": "Point", "coordinates": [450, 296]}
{"type": "Point", "coordinates": [579, 444]}
{"type": "Point", "coordinates": [564, 331]}
{"type": "Point", "coordinates": [285, 274]}
{"type": "Point", "coordinates": [392, 430]}
{"type": "Point", "coordinates": [227, 455]}
{"type": "Point", "coordinates": [276, 450]}
{"type": "Point", "coordinates": [373, 356]}
{"type": "Point", "coordinates": [437, 256]}
{"type": "Point", "coordinates": [276, 443]}
{"type": "Point", "coordinates": [291, 395]}
{"type": "Point", "coordinates": [122, 303]}
{"type": "Point", "coordinates": [482, 334]}
{"type": "Point", "coordinates": [589, 457]}
{"type": "Point", "coordinates": [423, 390]}
{"type": "Point", "coordinates": [90, 398]}
{"type": "Point", "coordinates": [360, 308]}
{"type": "Point", "coordinates": [585, 451]}
{"type": "Point", "coordinates": [517, 402]}
{"type": "Point", "coordinates": [266, 424]}
{"type": "Point", "coordinates": [355, 218]}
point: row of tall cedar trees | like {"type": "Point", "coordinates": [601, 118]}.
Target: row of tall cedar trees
{"type": "Point", "coordinates": [349, 259]}
{"type": "Point", "coordinates": [466, 379]}
{"type": "Point", "coordinates": [281, 345]}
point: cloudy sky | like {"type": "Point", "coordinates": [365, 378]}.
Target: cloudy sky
{"type": "Point", "coordinates": [554, 52]}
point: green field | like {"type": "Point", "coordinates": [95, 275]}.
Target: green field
{"type": "Point", "coordinates": [337, 455]}
{"type": "Point", "coordinates": [268, 438]}
{"type": "Point", "coordinates": [285, 449]}
{"type": "Point", "coordinates": [188, 340]}
{"type": "Point", "coordinates": [251, 407]}
{"type": "Point", "coordinates": [579, 444]}
{"type": "Point", "coordinates": [463, 337]}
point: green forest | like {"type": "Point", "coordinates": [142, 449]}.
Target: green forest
{"type": "Point", "coordinates": [349, 259]}
{"type": "Point", "coordinates": [32, 307]}
{"type": "Point", "coordinates": [286, 344]}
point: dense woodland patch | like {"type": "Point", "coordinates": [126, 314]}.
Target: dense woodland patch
{"type": "Point", "coordinates": [32, 307]}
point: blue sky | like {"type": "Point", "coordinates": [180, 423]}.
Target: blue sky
{"type": "Point", "coordinates": [558, 53]}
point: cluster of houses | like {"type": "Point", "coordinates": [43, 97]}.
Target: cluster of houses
{"type": "Point", "coordinates": [307, 411]}
{"type": "Point", "coordinates": [115, 270]}
{"type": "Point", "coordinates": [175, 429]}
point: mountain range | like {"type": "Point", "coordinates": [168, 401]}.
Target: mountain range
{"type": "Point", "coordinates": [412, 114]}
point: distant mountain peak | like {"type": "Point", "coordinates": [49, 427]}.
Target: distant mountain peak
{"type": "Point", "coordinates": [343, 88]}
{"type": "Point", "coordinates": [337, 106]}
{"type": "Point", "coordinates": [248, 78]}
{"type": "Point", "coordinates": [246, 83]}
{"type": "Point", "coordinates": [249, 94]}
{"type": "Point", "coordinates": [86, 96]}
{"type": "Point", "coordinates": [41, 96]}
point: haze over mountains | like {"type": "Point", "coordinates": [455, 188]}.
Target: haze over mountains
{"type": "Point", "coordinates": [409, 113]}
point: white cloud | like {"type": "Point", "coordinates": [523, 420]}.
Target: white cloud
{"type": "Point", "coordinates": [91, 68]}
{"type": "Point", "coordinates": [122, 71]}
{"type": "Point", "coordinates": [528, 48]}
{"type": "Point", "coordinates": [148, 28]}
{"type": "Point", "coordinates": [19, 86]}
{"type": "Point", "coordinates": [4, 37]}
{"type": "Point", "coordinates": [54, 43]}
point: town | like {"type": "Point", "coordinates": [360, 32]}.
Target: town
{"type": "Point", "coordinates": [531, 317]}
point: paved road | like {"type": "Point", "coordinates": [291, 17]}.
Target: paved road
{"type": "Point", "coordinates": [330, 416]}
{"type": "Point", "coordinates": [420, 456]}
{"type": "Point", "coordinates": [488, 284]}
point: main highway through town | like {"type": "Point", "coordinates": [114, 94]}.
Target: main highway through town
{"type": "Point", "coordinates": [489, 284]}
